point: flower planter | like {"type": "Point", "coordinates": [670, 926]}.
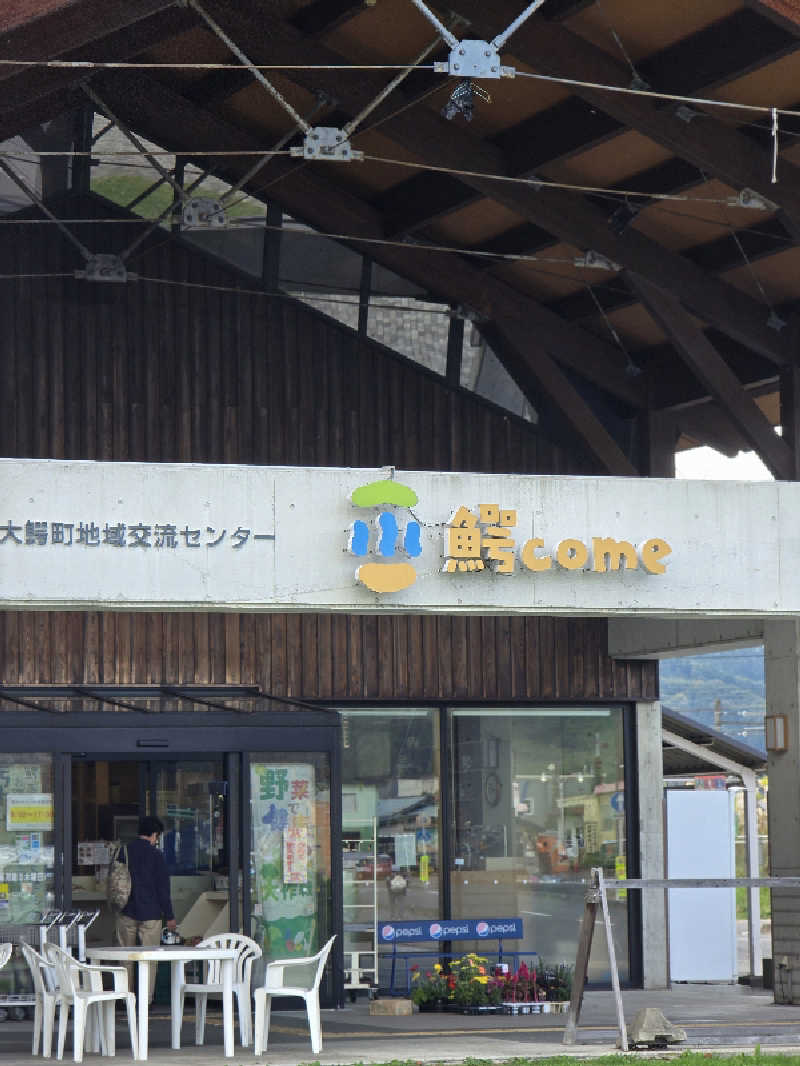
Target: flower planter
{"type": "Point", "coordinates": [435, 1007]}
{"type": "Point", "coordinates": [543, 1007]}
{"type": "Point", "coordinates": [522, 1008]}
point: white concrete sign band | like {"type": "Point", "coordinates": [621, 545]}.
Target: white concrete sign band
{"type": "Point", "coordinates": [193, 537]}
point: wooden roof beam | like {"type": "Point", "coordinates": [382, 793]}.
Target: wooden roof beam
{"type": "Point", "coordinates": [525, 357]}
{"type": "Point", "coordinates": [46, 29]}
{"type": "Point", "coordinates": [569, 217]}
{"type": "Point", "coordinates": [323, 16]}
{"type": "Point", "coordinates": [574, 125]}
{"type": "Point", "coordinates": [705, 361]}
{"type": "Point", "coordinates": [716, 148]}
{"type": "Point", "coordinates": [34, 83]}
{"type": "Point", "coordinates": [785, 13]}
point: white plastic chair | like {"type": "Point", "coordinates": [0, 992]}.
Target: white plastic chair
{"type": "Point", "coordinates": [247, 952]}
{"type": "Point", "coordinates": [274, 986]}
{"type": "Point", "coordinates": [48, 996]}
{"type": "Point", "coordinates": [81, 987]}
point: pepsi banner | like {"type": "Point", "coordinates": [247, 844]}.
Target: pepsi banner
{"type": "Point", "coordinates": [450, 929]}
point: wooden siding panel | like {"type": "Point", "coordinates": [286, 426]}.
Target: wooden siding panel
{"type": "Point", "coordinates": [323, 657]}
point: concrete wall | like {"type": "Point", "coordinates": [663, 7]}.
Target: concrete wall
{"type": "Point", "coordinates": [730, 547]}
{"type": "Point", "coordinates": [651, 843]}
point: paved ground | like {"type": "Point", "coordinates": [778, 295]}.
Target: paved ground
{"type": "Point", "coordinates": [715, 1017]}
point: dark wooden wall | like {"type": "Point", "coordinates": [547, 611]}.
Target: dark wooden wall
{"type": "Point", "coordinates": [153, 371]}
{"type": "Point", "coordinates": [359, 657]}
{"type": "Point", "coordinates": [157, 372]}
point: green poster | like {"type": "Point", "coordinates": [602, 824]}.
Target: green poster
{"type": "Point", "coordinates": [284, 878]}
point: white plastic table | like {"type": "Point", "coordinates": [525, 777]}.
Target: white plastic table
{"type": "Point", "coordinates": [177, 956]}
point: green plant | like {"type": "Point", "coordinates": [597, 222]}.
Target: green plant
{"type": "Point", "coordinates": [555, 981]}
{"type": "Point", "coordinates": [471, 980]}
{"type": "Point", "coordinates": [428, 986]}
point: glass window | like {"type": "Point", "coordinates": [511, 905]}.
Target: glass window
{"type": "Point", "coordinates": [390, 821]}
{"type": "Point", "coordinates": [290, 866]}
{"type": "Point", "coordinates": [27, 862]}
{"type": "Point", "coordinates": [538, 799]}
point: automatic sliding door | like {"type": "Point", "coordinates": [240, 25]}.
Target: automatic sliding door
{"type": "Point", "coordinates": [190, 797]}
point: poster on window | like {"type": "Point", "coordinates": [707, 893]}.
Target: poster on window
{"type": "Point", "coordinates": [295, 856]}
{"type": "Point", "coordinates": [24, 778]}
{"type": "Point", "coordinates": [29, 810]}
{"type": "Point", "coordinates": [284, 899]}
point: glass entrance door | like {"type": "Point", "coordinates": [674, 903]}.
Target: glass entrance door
{"type": "Point", "coordinates": [251, 806]}
{"type": "Point", "coordinates": [190, 796]}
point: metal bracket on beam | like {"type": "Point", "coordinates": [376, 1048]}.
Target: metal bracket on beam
{"type": "Point", "coordinates": [474, 59]}
{"type": "Point", "coordinates": [327, 142]}
{"type": "Point", "coordinates": [201, 213]}
{"type": "Point", "coordinates": [754, 200]}
{"type": "Point", "coordinates": [104, 267]}
{"type": "Point", "coordinates": [593, 260]}
{"type": "Point", "coordinates": [467, 314]}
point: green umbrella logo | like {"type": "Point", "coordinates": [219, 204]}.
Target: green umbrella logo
{"type": "Point", "coordinates": [386, 539]}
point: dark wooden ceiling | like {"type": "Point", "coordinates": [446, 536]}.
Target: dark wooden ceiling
{"type": "Point", "coordinates": [681, 340]}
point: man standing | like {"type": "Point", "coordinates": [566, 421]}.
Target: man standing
{"type": "Point", "coordinates": [140, 919]}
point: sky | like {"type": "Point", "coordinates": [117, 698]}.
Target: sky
{"type": "Point", "coordinates": [705, 463]}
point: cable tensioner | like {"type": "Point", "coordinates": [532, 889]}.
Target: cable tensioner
{"type": "Point", "coordinates": [327, 142]}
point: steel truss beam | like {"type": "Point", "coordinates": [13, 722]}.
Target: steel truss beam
{"type": "Point", "coordinates": [715, 148]}
{"type": "Point", "coordinates": [571, 218]}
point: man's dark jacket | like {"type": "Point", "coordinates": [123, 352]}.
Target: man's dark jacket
{"type": "Point", "coordinates": [149, 883]}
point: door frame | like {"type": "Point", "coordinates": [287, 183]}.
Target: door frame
{"type": "Point", "coordinates": [174, 735]}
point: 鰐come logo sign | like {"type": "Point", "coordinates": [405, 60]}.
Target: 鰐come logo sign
{"type": "Point", "coordinates": [386, 539]}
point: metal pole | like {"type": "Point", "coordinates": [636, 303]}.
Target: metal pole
{"type": "Point", "coordinates": [612, 959]}
{"type": "Point", "coordinates": [753, 894]}
{"type": "Point", "coordinates": [435, 22]}
{"type": "Point", "coordinates": [455, 349]}
{"type": "Point", "coordinates": [271, 257]}
{"type": "Point", "coordinates": [43, 207]}
{"type": "Point", "coordinates": [301, 122]}
{"type": "Point", "coordinates": [162, 170]}
{"type": "Point", "coordinates": [501, 38]}
{"type": "Point", "coordinates": [364, 292]}
{"type": "Point", "coordinates": [350, 127]}
{"type": "Point", "coordinates": [81, 161]}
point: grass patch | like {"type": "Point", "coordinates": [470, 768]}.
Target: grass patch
{"type": "Point", "coordinates": [684, 1058]}
{"type": "Point", "coordinates": [123, 188]}
{"type": "Point", "coordinates": [741, 900]}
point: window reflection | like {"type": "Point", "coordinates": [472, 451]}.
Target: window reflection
{"type": "Point", "coordinates": [390, 824]}
{"type": "Point", "coordinates": [538, 800]}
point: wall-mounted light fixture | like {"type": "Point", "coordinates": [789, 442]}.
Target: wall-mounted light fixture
{"type": "Point", "coordinates": [775, 730]}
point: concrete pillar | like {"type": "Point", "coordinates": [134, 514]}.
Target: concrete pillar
{"type": "Point", "coordinates": [782, 675]}
{"type": "Point", "coordinates": [651, 843]}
